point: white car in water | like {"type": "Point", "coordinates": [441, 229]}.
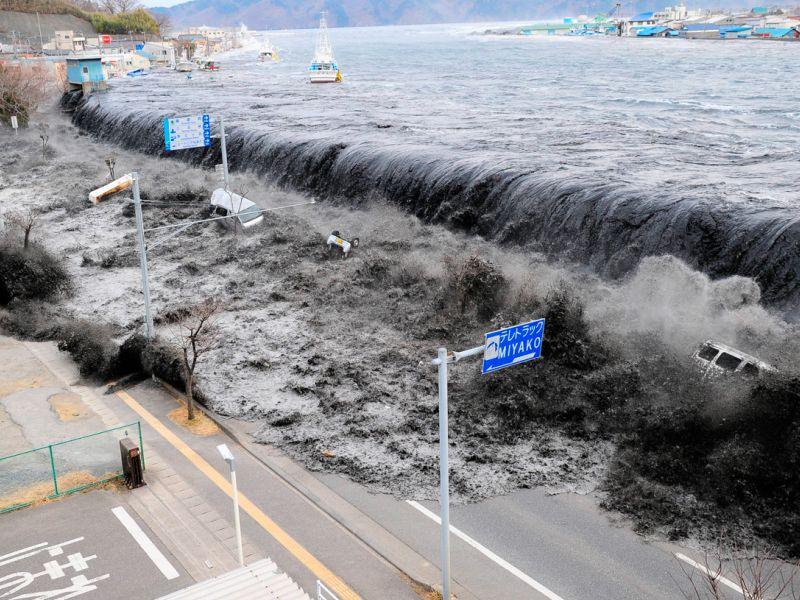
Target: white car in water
{"type": "Point", "coordinates": [243, 213]}
{"type": "Point", "coordinates": [716, 358]}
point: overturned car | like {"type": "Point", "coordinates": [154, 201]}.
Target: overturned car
{"type": "Point", "coordinates": [337, 242]}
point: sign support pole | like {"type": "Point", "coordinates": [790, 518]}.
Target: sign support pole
{"type": "Point", "coordinates": [444, 475]}
{"type": "Point", "coordinates": [444, 459]}
{"type": "Point", "coordinates": [224, 150]}
{"type": "Point", "coordinates": [137, 204]}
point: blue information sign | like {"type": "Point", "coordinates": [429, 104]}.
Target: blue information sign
{"type": "Point", "coordinates": [187, 132]}
{"type": "Point", "coordinates": [513, 345]}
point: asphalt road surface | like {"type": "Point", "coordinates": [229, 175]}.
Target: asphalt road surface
{"type": "Point", "coordinates": [88, 545]}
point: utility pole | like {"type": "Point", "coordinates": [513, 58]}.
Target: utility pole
{"type": "Point", "coordinates": [137, 204]}
{"type": "Point", "coordinates": [224, 150]}
{"type": "Point", "coordinates": [41, 37]}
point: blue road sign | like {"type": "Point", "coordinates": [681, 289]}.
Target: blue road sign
{"type": "Point", "coordinates": [513, 345]}
{"type": "Point", "coordinates": [187, 132]}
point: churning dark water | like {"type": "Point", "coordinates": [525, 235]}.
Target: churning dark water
{"type": "Point", "coordinates": [603, 150]}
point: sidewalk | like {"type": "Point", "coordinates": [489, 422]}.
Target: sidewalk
{"type": "Point", "coordinates": [187, 505]}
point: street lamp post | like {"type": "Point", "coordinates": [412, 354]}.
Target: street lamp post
{"type": "Point", "coordinates": [227, 456]}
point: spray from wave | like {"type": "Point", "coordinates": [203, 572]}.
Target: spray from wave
{"type": "Point", "coordinates": [602, 223]}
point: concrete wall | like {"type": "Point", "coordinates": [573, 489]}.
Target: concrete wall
{"type": "Point", "coordinates": [26, 27]}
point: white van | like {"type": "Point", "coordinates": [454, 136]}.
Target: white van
{"type": "Point", "coordinates": [243, 213]}
{"type": "Point", "coordinates": [717, 358]}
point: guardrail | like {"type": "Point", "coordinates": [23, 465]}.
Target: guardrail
{"type": "Point", "coordinates": [62, 468]}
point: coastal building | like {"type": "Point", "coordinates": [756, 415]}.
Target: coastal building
{"type": "Point", "coordinates": [655, 31]}
{"type": "Point", "coordinates": [701, 31]}
{"type": "Point", "coordinates": [159, 53]}
{"type": "Point", "coordinates": [642, 20]}
{"type": "Point", "coordinates": [86, 73]}
{"type": "Point", "coordinates": [776, 34]}
{"type": "Point", "coordinates": [547, 29]}
{"type": "Point", "coordinates": [118, 64]}
{"type": "Point", "coordinates": [68, 41]}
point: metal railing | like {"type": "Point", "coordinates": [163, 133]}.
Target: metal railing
{"type": "Point", "coordinates": [323, 593]}
{"type": "Point", "coordinates": [63, 468]}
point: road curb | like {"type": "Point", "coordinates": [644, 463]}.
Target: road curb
{"type": "Point", "coordinates": [369, 532]}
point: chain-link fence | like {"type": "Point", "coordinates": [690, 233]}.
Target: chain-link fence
{"type": "Point", "coordinates": [63, 467]}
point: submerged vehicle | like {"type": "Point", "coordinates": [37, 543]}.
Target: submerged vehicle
{"type": "Point", "coordinates": [716, 358]}
{"type": "Point", "coordinates": [243, 213]}
{"type": "Point", "coordinates": [207, 64]}
{"type": "Point", "coordinates": [336, 241]}
{"type": "Point", "coordinates": [323, 68]}
{"type": "Point", "coordinates": [267, 51]}
{"type": "Point", "coordinates": [184, 65]}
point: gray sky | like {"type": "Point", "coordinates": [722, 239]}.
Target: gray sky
{"type": "Point", "coordinates": [161, 2]}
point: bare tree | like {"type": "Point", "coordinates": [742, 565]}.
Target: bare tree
{"type": "Point", "coordinates": [88, 5]}
{"type": "Point", "coordinates": [757, 574]}
{"type": "Point", "coordinates": [163, 21]}
{"type": "Point", "coordinates": [20, 92]}
{"type": "Point", "coordinates": [126, 6]}
{"type": "Point", "coordinates": [198, 334]}
{"type": "Point", "coordinates": [44, 135]}
{"type": "Point", "coordinates": [109, 6]}
{"type": "Point", "coordinates": [25, 221]}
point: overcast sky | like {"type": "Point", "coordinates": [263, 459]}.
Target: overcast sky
{"type": "Point", "coordinates": [161, 2]}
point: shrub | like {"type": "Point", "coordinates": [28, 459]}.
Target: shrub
{"type": "Point", "coordinates": [30, 274]}
{"type": "Point", "coordinates": [137, 21]}
{"type": "Point", "coordinates": [164, 361]}
{"type": "Point", "coordinates": [92, 348]}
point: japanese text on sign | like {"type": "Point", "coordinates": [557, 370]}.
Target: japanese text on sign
{"type": "Point", "coordinates": [187, 132]}
{"type": "Point", "coordinates": [513, 345]}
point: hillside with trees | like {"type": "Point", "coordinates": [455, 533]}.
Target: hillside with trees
{"type": "Point", "coordinates": [104, 16]}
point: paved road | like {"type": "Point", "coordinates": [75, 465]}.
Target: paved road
{"type": "Point", "coordinates": [339, 551]}
{"type": "Point", "coordinates": [89, 545]}
{"type": "Point", "coordinates": [564, 543]}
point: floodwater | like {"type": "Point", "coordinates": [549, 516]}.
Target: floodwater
{"type": "Point", "coordinates": [604, 150]}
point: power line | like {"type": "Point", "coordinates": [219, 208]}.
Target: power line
{"type": "Point", "coordinates": [261, 211]}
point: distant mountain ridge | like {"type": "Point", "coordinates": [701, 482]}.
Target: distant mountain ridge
{"type": "Point", "coordinates": [285, 14]}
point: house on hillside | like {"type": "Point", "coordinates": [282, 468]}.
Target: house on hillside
{"type": "Point", "coordinates": [68, 41]}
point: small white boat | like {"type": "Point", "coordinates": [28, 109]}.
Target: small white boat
{"type": "Point", "coordinates": [323, 68]}
{"type": "Point", "coordinates": [267, 51]}
{"type": "Point", "coordinates": [184, 65]}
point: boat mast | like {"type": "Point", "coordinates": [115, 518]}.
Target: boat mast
{"type": "Point", "coordinates": [324, 52]}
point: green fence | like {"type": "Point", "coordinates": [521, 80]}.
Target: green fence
{"type": "Point", "coordinates": [63, 467]}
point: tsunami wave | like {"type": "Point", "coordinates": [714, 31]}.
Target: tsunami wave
{"type": "Point", "coordinates": [607, 225]}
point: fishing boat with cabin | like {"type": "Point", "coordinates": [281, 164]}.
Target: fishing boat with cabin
{"type": "Point", "coordinates": [323, 68]}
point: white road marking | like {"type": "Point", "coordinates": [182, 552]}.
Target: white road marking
{"type": "Point", "coordinates": [159, 560]}
{"type": "Point", "coordinates": [489, 554]}
{"type": "Point", "coordinates": [704, 569]}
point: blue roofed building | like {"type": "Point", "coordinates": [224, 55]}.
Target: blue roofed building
{"type": "Point", "coordinates": [646, 19]}
{"type": "Point", "coordinates": [86, 73]}
{"type": "Point", "coordinates": [656, 31]}
{"type": "Point", "coordinates": [770, 33]}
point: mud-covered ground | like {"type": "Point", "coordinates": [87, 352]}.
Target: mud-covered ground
{"type": "Point", "coordinates": [332, 357]}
